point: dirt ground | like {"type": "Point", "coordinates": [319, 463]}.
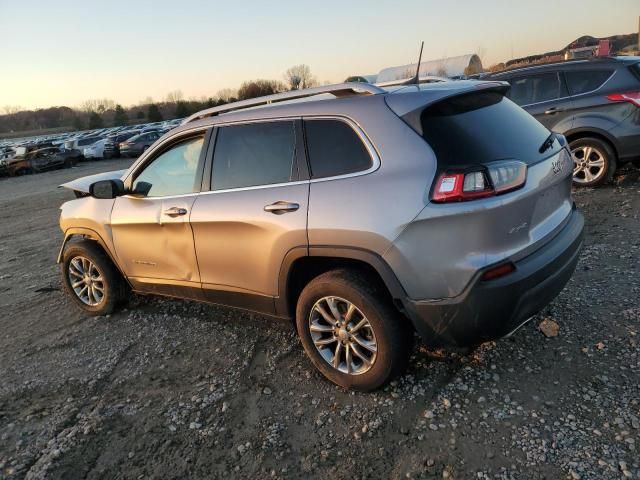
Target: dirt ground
{"type": "Point", "coordinates": [173, 389]}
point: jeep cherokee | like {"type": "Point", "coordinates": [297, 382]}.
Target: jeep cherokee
{"type": "Point", "coordinates": [361, 213]}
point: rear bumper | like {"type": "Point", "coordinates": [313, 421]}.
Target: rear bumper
{"type": "Point", "coordinates": [488, 310]}
{"type": "Point", "coordinates": [129, 151]}
{"type": "Point", "coordinates": [627, 135]}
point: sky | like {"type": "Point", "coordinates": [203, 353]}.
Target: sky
{"type": "Point", "coordinates": [62, 52]}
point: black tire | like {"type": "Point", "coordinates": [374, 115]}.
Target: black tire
{"type": "Point", "coordinates": [601, 148]}
{"type": "Point", "coordinates": [391, 331]}
{"type": "Point", "coordinates": [67, 163]}
{"type": "Point", "coordinates": [23, 171]}
{"type": "Point", "coordinates": [115, 289]}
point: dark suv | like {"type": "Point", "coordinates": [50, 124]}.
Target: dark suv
{"type": "Point", "coordinates": [595, 103]}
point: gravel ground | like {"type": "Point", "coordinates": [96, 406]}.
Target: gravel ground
{"type": "Point", "coordinates": [175, 389]}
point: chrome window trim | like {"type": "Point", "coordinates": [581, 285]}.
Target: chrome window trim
{"type": "Point", "coordinates": [255, 187]}
{"type": "Point", "coordinates": [375, 159]}
{"type": "Point", "coordinates": [591, 91]}
{"type": "Point", "coordinates": [568, 96]}
{"type": "Point", "coordinates": [182, 195]}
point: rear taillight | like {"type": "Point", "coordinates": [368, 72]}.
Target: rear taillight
{"type": "Point", "coordinates": [631, 97]}
{"type": "Point", "coordinates": [493, 179]}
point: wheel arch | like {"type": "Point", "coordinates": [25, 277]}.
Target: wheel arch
{"type": "Point", "coordinates": [300, 266]}
{"type": "Point", "coordinates": [91, 235]}
{"type": "Point", "coordinates": [593, 133]}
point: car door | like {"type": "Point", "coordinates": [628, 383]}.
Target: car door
{"type": "Point", "coordinates": [544, 95]}
{"type": "Point", "coordinates": [151, 231]}
{"type": "Point", "coordinates": [254, 213]}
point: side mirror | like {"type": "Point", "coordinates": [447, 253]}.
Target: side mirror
{"type": "Point", "coordinates": [106, 189]}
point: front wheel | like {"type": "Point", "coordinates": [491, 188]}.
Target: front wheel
{"type": "Point", "coordinates": [91, 279]}
{"type": "Point", "coordinates": [351, 332]}
{"type": "Point", "coordinates": [594, 162]}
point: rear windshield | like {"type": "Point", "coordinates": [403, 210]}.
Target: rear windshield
{"type": "Point", "coordinates": [482, 127]}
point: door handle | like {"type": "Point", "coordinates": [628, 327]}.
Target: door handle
{"type": "Point", "coordinates": [175, 211]}
{"type": "Point", "coordinates": [279, 208]}
{"type": "Point", "coordinates": [553, 110]}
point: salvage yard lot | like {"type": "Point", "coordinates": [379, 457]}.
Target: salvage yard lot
{"type": "Point", "coordinates": [176, 389]}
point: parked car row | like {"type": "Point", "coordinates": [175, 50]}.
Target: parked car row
{"type": "Point", "coordinates": [37, 154]}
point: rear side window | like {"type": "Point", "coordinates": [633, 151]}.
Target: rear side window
{"type": "Point", "coordinates": [482, 127]}
{"type": "Point", "coordinates": [253, 154]}
{"type": "Point", "coordinates": [536, 88]}
{"type": "Point", "coordinates": [583, 81]}
{"type": "Point", "coordinates": [334, 149]}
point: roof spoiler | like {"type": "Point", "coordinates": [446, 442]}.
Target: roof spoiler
{"type": "Point", "coordinates": [410, 105]}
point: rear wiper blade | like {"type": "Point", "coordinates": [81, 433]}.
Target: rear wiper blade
{"type": "Point", "coordinates": [548, 143]}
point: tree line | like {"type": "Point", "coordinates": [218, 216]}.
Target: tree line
{"type": "Point", "coordinates": [99, 113]}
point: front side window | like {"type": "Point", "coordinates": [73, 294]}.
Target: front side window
{"type": "Point", "coordinates": [334, 148]}
{"type": "Point", "coordinates": [174, 171]}
{"type": "Point", "coordinates": [581, 81]}
{"type": "Point", "coordinates": [537, 88]}
{"type": "Point", "coordinates": [253, 154]}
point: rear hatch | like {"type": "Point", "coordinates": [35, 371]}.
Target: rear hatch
{"type": "Point", "coordinates": [502, 188]}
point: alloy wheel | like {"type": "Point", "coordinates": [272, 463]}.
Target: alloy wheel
{"type": "Point", "coordinates": [588, 164]}
{"type": "Point", "coordinates": [342, 335]}
{"type": "Point", "coordinates": [86, 280]}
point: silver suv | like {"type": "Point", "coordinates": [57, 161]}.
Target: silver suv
{"type": "Point", "coordinates": [362, 213]}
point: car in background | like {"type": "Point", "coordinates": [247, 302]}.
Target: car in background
{"type": "Point", "coordinates": [112, 143]}
{"type": "Point", "coordinates": [40, 160]}
{"type": "Point", "coordinates": [79, 144]}
{"type": "Point", "coordinates": [95, 150]}
{"type": "Point", "coordinates": [137, 144]}
{"type": "Point", "coordinates": [595, 103]}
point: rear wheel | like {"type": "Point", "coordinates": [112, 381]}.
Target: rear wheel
{"type": "Point", "coordinates": [351, 332]}
{"type": "Point", "coordinates": [594, 162]}
{"type": "Point", "coordinates": [23, 171]}
{"type": "Point", "coordinates": [91, 279]}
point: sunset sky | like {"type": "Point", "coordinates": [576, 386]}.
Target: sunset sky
{"type": "Point", "coordinates": [63, 52]}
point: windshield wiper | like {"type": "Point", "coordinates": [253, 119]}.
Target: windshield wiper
{"type": "Point", "coordinates": [548, 143]}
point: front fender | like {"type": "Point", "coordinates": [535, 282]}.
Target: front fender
{"type": "Point", "coordinates": [90, 235]}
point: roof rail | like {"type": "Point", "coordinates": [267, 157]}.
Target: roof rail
{"type": "Point", "coordinates": [339, 90]}
{"type": "Point", "coordinates": [404, 81]}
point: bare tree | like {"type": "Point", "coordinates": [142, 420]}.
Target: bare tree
{"type": "Point", "coordinates": [98, 105]}
{"type": "Point", "coordinates": [259, 88]}
{"type": "Point", "coordinates": [175, 96]}
{"type": "Point", "coordinates": [11, 109]}
{"type": "Point", "coordinates": [226, 95]}
{"type": "Point", "coordinates": [299, 76]}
